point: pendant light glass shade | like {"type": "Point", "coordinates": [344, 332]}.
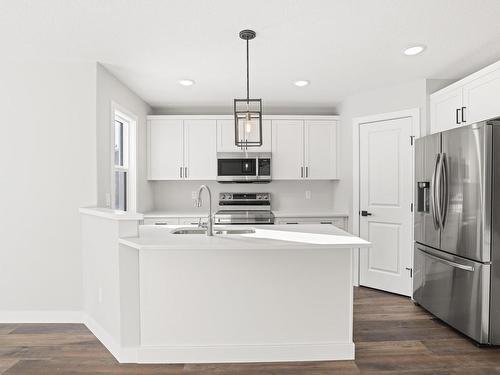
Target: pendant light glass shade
{"type": "Point", "coordinates": [248, 122]}
{"type": "Point", "coordinates": [247, 112]}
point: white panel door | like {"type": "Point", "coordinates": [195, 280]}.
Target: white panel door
{"type": "Point", "coordinates": [165, 149]}
{"type": "Point", "coordinates": [288, 150]}
{"type": "Point", "coordinates": [320, 150]}
{"type": "Point", "coordinates": [445, 110]}
{"type": "Point", "coordinates": [225, 137]}
{"type": "Point", "coordinates": [200, 149]}
{"type": "Point", "coordinates": [481, 98]}
{"type": "Point", "coordinates": [386, 194]}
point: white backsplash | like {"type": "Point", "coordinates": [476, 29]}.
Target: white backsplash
{"type": "Point", "coordinates": [176, 196]}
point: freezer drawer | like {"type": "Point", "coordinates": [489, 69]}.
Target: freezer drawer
{"type": "Point", "coordinates": [454, 289]}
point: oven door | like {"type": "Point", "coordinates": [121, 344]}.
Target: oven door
{"type": "Point", "coordinates": [454, 289]}
{"type": "Point", "coordinates": [230, 169]}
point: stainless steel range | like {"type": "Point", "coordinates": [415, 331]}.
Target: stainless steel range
{"type": "Point", "coordinates": [244, 208]}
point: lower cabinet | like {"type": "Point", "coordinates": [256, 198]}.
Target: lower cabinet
{"type": "Point", "coordinates": [161, 221]}
{"type": "Point", "coordinates": [194, 220]}
{"type": "Point", "coordinates": [339, 222]}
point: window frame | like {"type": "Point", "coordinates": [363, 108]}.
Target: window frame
{"type": "Point", "coordinates": [129, 152]}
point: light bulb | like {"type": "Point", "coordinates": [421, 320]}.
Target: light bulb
{"type": "Point", "coordinates": [248, 123]}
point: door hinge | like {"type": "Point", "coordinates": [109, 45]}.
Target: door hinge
{"type": "Point", "coordinates": [411, 139]}
{"type": "Point", "coordinates": [411, 271]}
{"type": "Point", "coordinates": [411, 207]}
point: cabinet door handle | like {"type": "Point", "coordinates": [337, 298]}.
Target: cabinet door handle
{"type": "Point", "coordinates": [463, 114]}
{"type": "Point", "coordinates": [185, 172]}
{"type": "Point", "coordinates": [301, 172]}
{"type": "Point", "coordinates": [457, 116]}
{"type": "Point", "coordinates": [180, 172]}
{"type": "Point", "coordinates": [307, 172]}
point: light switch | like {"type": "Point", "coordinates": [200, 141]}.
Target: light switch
{"type": "Point", "coordinates": [308, 194]}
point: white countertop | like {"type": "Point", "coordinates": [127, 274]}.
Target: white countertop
{"type": "Point", "coordinates": [302, 236]}
{"type": "Point", "coordinates": [278, 214]}
{"type": "Point", "coordinates": [108, 213]}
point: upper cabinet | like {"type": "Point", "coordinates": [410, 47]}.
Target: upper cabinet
{"type": "Point", "coordinates": [446, 109]}
{"type": "Point", "coordinates": [287, 161]}
{"type": "Point", "coordinates": [185, 147]}
{"type": "Point", "coordinates": [482, 98]}
{"type": "Point", "coordinates": [472, 99]}
{"type": "Point", "coordinates": [226, 139]}
{"type": "Point", "coordinates": [304, 149]}
{"type": "Point", "coordinates": [320, 149]}
{"type": "Point", "coordinates": [181, 149]}
{"type": "Point", "coordinates": [165, 149]}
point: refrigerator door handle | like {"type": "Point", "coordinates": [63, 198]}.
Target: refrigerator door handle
{"type": "Point", "coordinates": [438, 189]}
{"type": "Point", "coordinates": [445, 198]}
{"type": "Point", "coordinates": [433, 193]}
{"type": "Point", "coordinates": [448, 262]}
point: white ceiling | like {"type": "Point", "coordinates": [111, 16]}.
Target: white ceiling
{"type": "Point", "coordinates": [341, 46]}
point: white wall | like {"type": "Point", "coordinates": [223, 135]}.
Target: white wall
{"type": "Point", "coordinates": [286, 195]}
{"type": "Point", "coordinates": [110, 89]}
{"type": "Point", "coordinates": [47, 171]}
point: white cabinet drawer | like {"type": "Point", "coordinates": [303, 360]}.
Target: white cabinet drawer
{"type": "Point", "coordinates": [191, 220]}
{"type": "Point", "coordinates": [162, 221]}
{"type": "Point", "coordinates": [339, 222]}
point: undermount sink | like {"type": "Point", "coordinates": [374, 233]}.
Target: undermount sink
{"type": "Point", "coordinates": [220, 231]}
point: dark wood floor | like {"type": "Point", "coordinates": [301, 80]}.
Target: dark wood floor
{"type": "Point", "coordinates": [392, 336]}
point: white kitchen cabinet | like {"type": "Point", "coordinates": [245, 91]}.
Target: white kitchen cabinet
{"type": "Point", "coordinates": [470, 100]}
{"type": "Point", "coordinates": [481, 98]}
{"type": "Point", "coordinates": [304, 149]}
{"type": "Point", "coordinates": [225, 137]}
{"type": "Point", "coordinates": [195, 220]}
{"type": "Point", "coordinates": [200, 155]}
{"type": "Point", "coordinates": [182, 149]}
{"type": "Point", "coordinates": [339, 222]}
{"type": "Point", "coordinates": [288, 150]}
{"type": "Point", "coordinates": [165, 149]}
{"type": "Point", "coordinates": [161, 221]}
{"type": "Point", "coordinates": [320, 149]}
{"type": "Point", "coordinates": [446, 110]}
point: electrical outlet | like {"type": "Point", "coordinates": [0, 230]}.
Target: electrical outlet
{"type": "Point", "coordinates": [308, 194]}
{"type": "Point", "coordinates": [99, 295]}
{"type": "Point", "coordinates": [108, 200]}
{"type": "Point", "coordinates": [194, 195]}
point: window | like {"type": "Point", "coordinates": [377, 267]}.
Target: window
{"type": "Point", "coordinates": [121, 162]}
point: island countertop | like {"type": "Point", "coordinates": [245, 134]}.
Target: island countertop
{"type": "Point", "coordinates": [301, 236]}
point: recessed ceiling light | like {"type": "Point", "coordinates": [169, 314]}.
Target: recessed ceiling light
{"type": "Point", "coordinates": [186, 82]}
{"type": "Point", "coordinates": [414, 50]}
{"type": "Point", "coordinates": [301, 83]}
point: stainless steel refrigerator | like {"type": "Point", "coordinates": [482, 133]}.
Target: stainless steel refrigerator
{"type": "Point", "coordinates": [457, 228]}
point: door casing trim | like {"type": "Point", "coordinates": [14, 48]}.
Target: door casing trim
{"type": "Point", "coordinates": [414, 114]}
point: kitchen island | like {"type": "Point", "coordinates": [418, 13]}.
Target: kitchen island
{"type": "Point", "coordinates": [282, 293]}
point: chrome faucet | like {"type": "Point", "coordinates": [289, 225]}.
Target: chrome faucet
{"type": "Point", "coordinates": [210, 223]}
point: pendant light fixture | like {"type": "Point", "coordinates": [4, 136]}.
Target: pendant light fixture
{"type": "Point", "coordinates": [247, 112]}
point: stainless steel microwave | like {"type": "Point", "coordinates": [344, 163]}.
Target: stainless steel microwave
{"type": "Point", "coordinates": [243, 167]}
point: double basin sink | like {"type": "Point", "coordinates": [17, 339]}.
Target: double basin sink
{"type": "Point", "coordinates": [220, 231]}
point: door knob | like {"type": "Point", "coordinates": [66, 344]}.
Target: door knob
{"type": "Point", "coordinates": [366, 213]}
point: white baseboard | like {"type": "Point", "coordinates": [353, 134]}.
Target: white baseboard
{"type": "Point", "coordinates": [43, 316]}
{"type": "Point", "coordinates": [122, 355]}
{"type": "Point", "coordinates": [247, 353]}
{"type": "Point", "coordinates": [188, 354]}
